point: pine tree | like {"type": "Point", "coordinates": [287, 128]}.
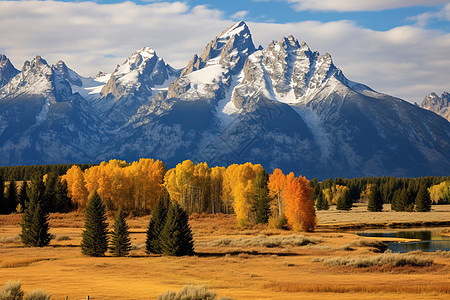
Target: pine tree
{"type": "Point", "coordinates": [35, 227]}
{"type": "Point", "coordinates": [402, 201]}
{"type": "Point", "coordinates": [345, 201]}
{"type": "Point", "coordinates": [176, 236]}
{"type": "Point", "coordinates": [23, 195]}
{"type": "Point", "coordinates": [423, 201]}
{"type": "Point", "coordinates": [375, 199]}
{"type": "Point", "coordinates": [120, 243]}
{"type": "Point", "coordinates": [11, 197]}
{"type": "Point", "coordinates": [62, 201]}
{"type": "Point", "coordinates": [155, 226]}
{"type": "Point", "coordinates": [95, 234]}
{"type": "Point", "coordinates": [261, 205]}
{"type": "Point", "coordinates": [3, 204]}
{"type": "Point", "coordinates": [321, 202]}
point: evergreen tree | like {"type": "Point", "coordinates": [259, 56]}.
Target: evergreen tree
{"type": "Point", "coordinates": [155, 226]}
{"type": "Point", "coordinates": [120, 243]}
{"type": "Point", "coordinates": [345, 201]}
{"type": "Point", "coordinates": [23, 195]}
{"type": "Point", "coordinates": [402, 200]}
{"type": "Point", "coordinates": [375, 199]}
{"type": "Point", "coordinates": [3, 204]}
{"type": "Point", "coordinates": [62, 201]}
{"type": "Point", "coordinates": [176, 236]}
{"type": "Point", "coordinates": [321, 202]}
{"type": "Point", "coordinates": [11, 197]}
{"type": "Point", "coordinates": [261, 206]}
{"type": "Point", "coordinates": [95, 234]}
{"type": "Point", "coordinates": [35, 227]}
{"type": "Point", "coordinates": [51, 184]}
{"type": "Point", "coordinates": [423, 201]}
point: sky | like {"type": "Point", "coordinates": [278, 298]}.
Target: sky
{"type": "Point", "coordinates": [397, 47]}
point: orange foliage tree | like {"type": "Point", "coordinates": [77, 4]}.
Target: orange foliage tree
{"type": "Point", "coordinates": [276, 187]}
{"type": "Point", "coordinates": [299, 203]}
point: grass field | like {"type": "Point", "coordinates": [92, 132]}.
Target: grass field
{"type": "Point", "coordinates": [249, 263]}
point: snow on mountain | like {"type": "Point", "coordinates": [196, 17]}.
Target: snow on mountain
{"type": "Point", "coordinates": [131, 85]}
{"type": "Point", "coordinates": [285, 106]}
{"type": "Point", "coordinates": [438, 104]}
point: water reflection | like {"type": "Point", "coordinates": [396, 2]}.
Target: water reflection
{"type": "Point", "coordinates": [430, 240]}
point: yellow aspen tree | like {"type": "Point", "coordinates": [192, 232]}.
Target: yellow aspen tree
{"type": "Point", "coordinates": [76, 186]}
{"type": "Point", "coordinates": [217, 177]}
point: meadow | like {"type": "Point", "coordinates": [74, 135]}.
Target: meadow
{"type": "Point", "coordinates": [254, 262]}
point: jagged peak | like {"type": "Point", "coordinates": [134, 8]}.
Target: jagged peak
{"type": "Point", "coordinates": [38, 61]}
{"type": "Point", "coordinates": [239, 28]}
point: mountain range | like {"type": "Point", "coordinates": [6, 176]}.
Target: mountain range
{"type": "Point", "coordinates": [283, 106]}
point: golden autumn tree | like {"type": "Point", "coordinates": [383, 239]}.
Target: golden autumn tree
{"type": "Point", "coordinates": [76, 186]}
{"type": "Point", "coordinates": [238, 185]}
{"type": "Point", "coordinates": [217, 174]}
{"type": "Point", "coordinates": [299, 203]}
{"type": "Point", "coordinates": [276, 188]}
{"type": "Point", "coordinates": [189, 185]}
{"type": "Point", "coordinates": [337, 191]}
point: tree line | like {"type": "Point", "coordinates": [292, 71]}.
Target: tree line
{"type": "Point", "coordinates": [25, 173]}
{"type": "Point", "coordinates": [15, 197]}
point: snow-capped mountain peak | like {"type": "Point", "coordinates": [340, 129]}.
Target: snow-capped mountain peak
{"type": "Point", "coordinates": [7, 70]}
{"type": "Point", "coordinates": [230, 49]}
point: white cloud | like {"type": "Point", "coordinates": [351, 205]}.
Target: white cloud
{"type": "Point", "coordinates": [427, 17]}
{"type": "Point", "coordinates": [240, 15]}
{"type": "Point", "coordinates": [406, 62]}
{"type": "Point", "coordinates": [358, 5]}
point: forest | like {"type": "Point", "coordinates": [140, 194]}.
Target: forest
{"type": "Point", "coordinates": [245, 190]}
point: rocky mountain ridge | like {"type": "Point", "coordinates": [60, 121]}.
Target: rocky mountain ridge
{"type": "Point", "coordinates": [438, 104]}
{"type": "Point", "coordinates": [284, 106]}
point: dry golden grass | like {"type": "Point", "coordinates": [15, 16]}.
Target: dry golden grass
{"type": "Point", "coordinates": [241, 271]}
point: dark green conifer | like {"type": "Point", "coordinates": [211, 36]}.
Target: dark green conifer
{"type": "Point", "coordinates": [23, 195]}
{"type": "Point", "coordinates": [35, 227]}
{"type": "Point", "coordinates": [120, 243]}
{"type": "Point", "coordinates": [176, 236]}
{"type": "Point", "coordinates": [423, 201]}
{"type": "Point", "coordinates": [345, 201]}
{"type": "Point", "coordinates": [321, 202]}
{"type": "Point", "coordinates": [95, 234]}
{"type": "Point", "coordinates": [11, 197]}
{"type": "Point", "coordinates": [375, 199]}
{"type": "Point", "coordinates": [3, 204]}
{"type": "Point", "coordinates": [261, 207]}
{"type": "Point", "coordinates": [155, 226]}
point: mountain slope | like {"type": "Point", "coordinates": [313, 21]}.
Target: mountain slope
{"type": "Point", "coordinates": [284, 106]}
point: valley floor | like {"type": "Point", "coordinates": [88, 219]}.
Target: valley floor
{"type": "Point", "coordinates": [230, 260]}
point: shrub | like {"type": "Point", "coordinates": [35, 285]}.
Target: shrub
{"type": "Point", "coordinates": [11, 291]}
{"type": "Point", "coordinates": [191, 292]}
{"type": "Point", "coordinates": [266, 241]}
{"type": "Point", "coordinates": [62, 237]}
{"type": "Point", "coordinates": [392, 259]}
{"type": "Point", "coordinates": [37, 295]}
{"type": "Point", "coordinates": [10, 239]}
{"type": "Point", "coordinates": [278, 222]}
